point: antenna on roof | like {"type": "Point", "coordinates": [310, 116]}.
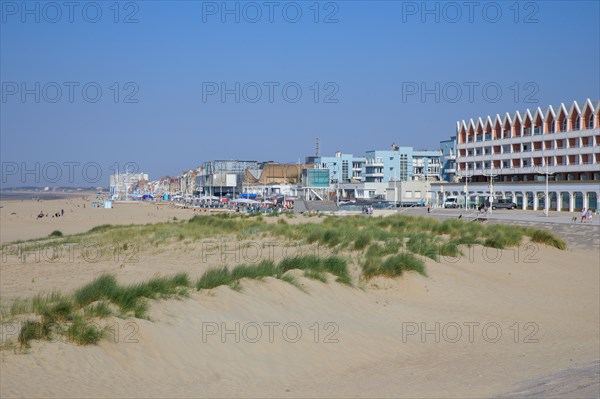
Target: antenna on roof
{"type": "Point", "coordinates": [318, 149]}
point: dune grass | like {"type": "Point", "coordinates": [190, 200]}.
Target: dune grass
{"type": "Point", "coordinates": [386, 246]}
{"type": "Point", "coordinates": [313, 266]}
{"type": "Point", "coordinates": [546, 237]}
{"type": "Point", "coordinates": [72, 316]}
{"type": "Point", "coordinates": [392, 266]}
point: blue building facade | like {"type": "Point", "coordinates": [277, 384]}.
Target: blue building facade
{"type": "Point", "coordinates": [402, 164]}
{"type": "Point", "coordinates": [381, 166]}
{"type": "Point", "coordinates": [448, 159]}
{"type": "Point", "coordinates": [343, 168]}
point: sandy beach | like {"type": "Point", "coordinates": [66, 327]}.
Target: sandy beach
{"type": "Point", "coordinates": [484, 325]}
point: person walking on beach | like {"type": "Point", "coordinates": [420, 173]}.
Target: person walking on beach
{"type": "Point", "coordinates": [583, 215]}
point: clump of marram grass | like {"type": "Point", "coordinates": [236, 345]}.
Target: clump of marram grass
{"type": "Point", "coordinates": [424, 244]}
{"type": "Point", "coordinates": [392, 266]}
{"type": "Point", "coordinates": [70, 316]}
{"type": "Point", "coordinates": [83, 332]}
{"type": "Point", "coordinates": [331, 264]}
{"type": "Point", "coordinates": [316, 267]}
{"type": "Point", "coordinates": [362, 241]}
{"type": "Point", "coordinates": [545, 237]}
{"type": "Point", "coordinates": [56, 233]}
{"type": "Point", "coordinates": [315, 275]}
{"type": "Point", "coordinates": [213, 278]}
{"type": "Point", "coordinates": [33, 330]}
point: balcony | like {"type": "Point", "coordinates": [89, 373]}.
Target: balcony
{"type": "Point", "coordinates": [374, 174]}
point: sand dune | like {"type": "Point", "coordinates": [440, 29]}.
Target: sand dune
{"type": "Point", "coordinates": [370, 340]}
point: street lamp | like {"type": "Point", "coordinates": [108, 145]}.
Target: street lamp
{"type": "Point", "coordinates": [491, 175]}
{"type": "Point", "coordinates": [467, 177]}
{"type": "Point", "coordinates": [546, 196]}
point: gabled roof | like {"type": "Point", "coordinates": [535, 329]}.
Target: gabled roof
{"type": "Point", "coordinates": [597, 108]}
{"type": "Point", "coordinates": [471, 126]}
{"type": "Point", "coordinates": [587, 105]}
{"type": "Point", "coordinates": [497, 120]}
{"type": "Point", "coordinates": [562, 110]}
{"type": "Point", "coordinates": [574, 107]}
{"type": "Point", "coordinates": [527, 115]}
{"type": "Point", "coordinates": [538, 113]}
{"type": "Point", "coordinates": [479, 125]}
{"type": "Point", "coordinates": [550, 111]}
{"type": "Point", "coordinates": [488, 123]}
{"type": "Point", "coordinates": [517, 116]}
{"type": "Point", "coordinates": [508, 119]}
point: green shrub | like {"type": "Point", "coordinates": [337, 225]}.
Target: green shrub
{"type": "Point", "coordinates": [56, 233]}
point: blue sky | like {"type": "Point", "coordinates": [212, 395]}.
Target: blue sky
{"type": "Point", "coordinates": [365, 60]}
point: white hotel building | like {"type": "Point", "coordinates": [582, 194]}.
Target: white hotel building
{"type": "Point", "coordinates": [513, 155]}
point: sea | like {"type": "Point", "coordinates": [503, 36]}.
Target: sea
{"type": "Point", "coordinates": [42, 195]}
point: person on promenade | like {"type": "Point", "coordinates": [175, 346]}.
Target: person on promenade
{"type": "Point", "coordinates": [589, 215]}
{"type": "Point", "coordinates": [583, 215]}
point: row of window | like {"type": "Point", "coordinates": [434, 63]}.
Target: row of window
{"type": "Point", "coordinates": [551, 127]}
{"type": "Point", "coordinates": [529, 162]}
{"type": "Point", "coordinates": [577, 142]}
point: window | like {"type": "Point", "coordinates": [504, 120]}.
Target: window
{"type": "Point", "coordinates": [526, 148]}
{"type": "Point", "coordinates": [590, 122]}
{"type": "Point", "coordinates": [345, 176]}
{"type": "Point", "coordinates": [563, 125]}
{"type": "Point", "coordinates": [487, 151]}
{"type": "Point", "coordinates": [525, 162]}
{"type": "Point", "coordinates": [478, 151]}
{"type": "Point", "coordinates": [506, 149]}
{"type": "Point", "coordinates": [469, 152]}
{"type": "Point", "coordinates": [417, 194]}
{"type": "Point", "coordinates": [578, 123]}
{"type": "Point", "coordinates": [551, 127]}
{"type": "Point", "coordinates": [408, 194]}
{"type": "Point", "coordinates": [505, 164]}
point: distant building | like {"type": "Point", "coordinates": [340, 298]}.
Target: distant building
{"type": "Point", "coordinates": [222, 177]}
{"type": "Point", "coordinates": [402, 164]}
{"type": "Point", "coordinates": [122, 184]}
{"type": "Point", "coordinates": [343, 168]}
